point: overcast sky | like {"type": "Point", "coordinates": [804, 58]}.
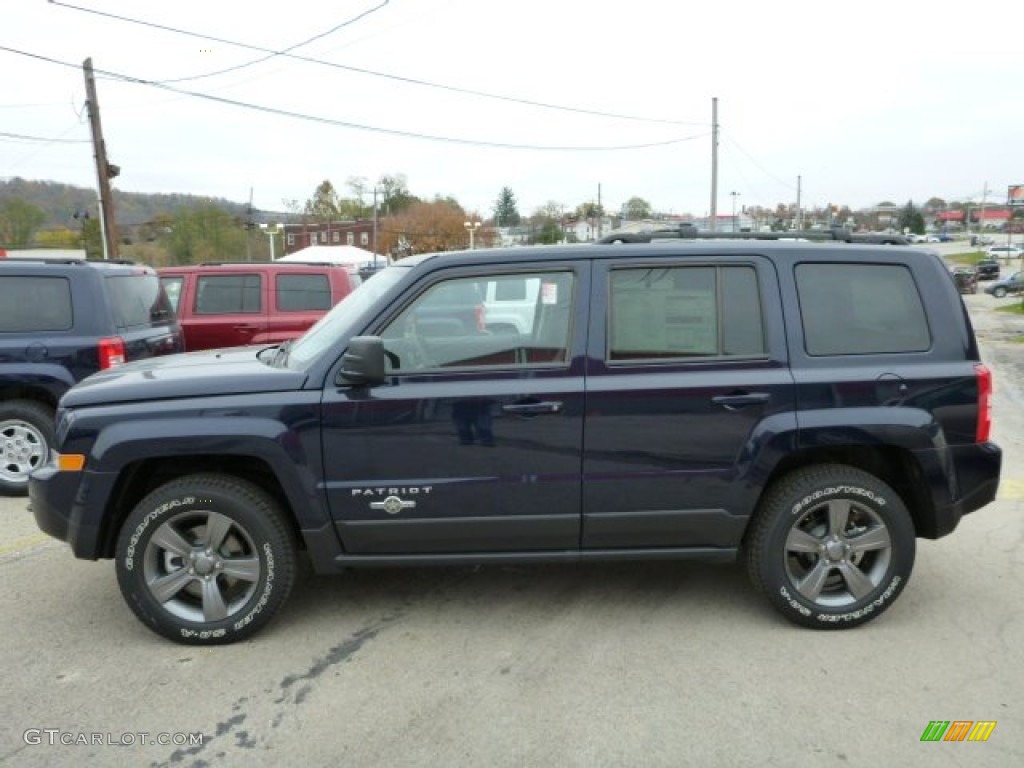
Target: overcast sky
{"type": "Point", "coordinates": [865, 101]}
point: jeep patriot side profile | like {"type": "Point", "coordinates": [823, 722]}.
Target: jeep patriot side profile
{"type": "Point", "coordinates": [809, 409]}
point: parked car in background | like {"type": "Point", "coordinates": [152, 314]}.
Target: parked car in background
{"type": "Point", "coordinates": [60, 321]}
{"type": "Point", "coordinates": [1005, 252]}
{"type": "Point", "coordinates": [1011, 285]}
{"type": "Point", "coordinates": [987, 269]}
{"type": "Point", "coordinates": [234, 304]}
{"type": "Point", "coordinates": [966, 279]}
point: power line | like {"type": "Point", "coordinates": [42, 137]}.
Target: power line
{"type": "Point", "coordinates": [373, 73]}
{"type": "Point", "coordinates": [356, 126]}
{"type": "Point", "coordinates": [43, 138]}
{"type": "Point", "coordinates": [285, 52]}
{"type": "Point", "coordinates": [733, 141]}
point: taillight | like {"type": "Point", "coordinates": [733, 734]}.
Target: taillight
{"type": "Point", "coordinates": [984, 403]}
{"type": "Point", "coordinates": [111, 352]}
{"type": "Point", "coordinates": [480, 312]}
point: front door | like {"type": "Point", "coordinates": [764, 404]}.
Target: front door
{"type": "Point", "coordinates": [474, 443]}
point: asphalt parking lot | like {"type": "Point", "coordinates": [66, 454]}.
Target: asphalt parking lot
{"type": "Point", "coordinates": [662, 664]}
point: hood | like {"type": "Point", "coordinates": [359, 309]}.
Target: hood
{"type": "Point", "coordinates": [232, 371]}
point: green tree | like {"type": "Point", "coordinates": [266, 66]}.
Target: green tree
{"type": "Point", "coordinates": [911, 219]}
{"type": "Point", "coordinates": [19, 222]}
{"type": "Point", "coordinates": [92, 238]}
{"type": "Point", "coordinates": [393, 193]}
{"type": "Point", "coordinates": [550, 233]}
{"type": "Point", "coordinates": [506, 212]}
{"type": "Point", "coordinates": [589, 211]}
{"type": "Point", "coordinates": [636, 208]}
{"type": "Point", "coordinates": [935, 204]}
{"type": "Point", "coordinates": [205, 233]}
{"type": "Point", "coordinates": [323, 205]}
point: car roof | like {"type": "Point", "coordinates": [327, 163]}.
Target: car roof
{"type": "Point", "coordinates": [44, 266]}
{"type": "Point", "coordinates": [291, 266]}
{"type": "Point", "coordinates": [773, 249]}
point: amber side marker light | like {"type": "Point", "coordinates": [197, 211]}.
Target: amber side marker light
{"type": "Point", "coordinates": [70, 462]}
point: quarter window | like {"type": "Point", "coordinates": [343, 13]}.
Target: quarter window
{"type": "Point", "coordinates": [34, 304]}
{"type": "Point", "coordinates": [228, 294]}
{"type": "Point", "coordinates": [296, 293]}
{"type": "Point", "coordinates": [664, 313]}
{"type": "Point", "coordinates": [858, 309]}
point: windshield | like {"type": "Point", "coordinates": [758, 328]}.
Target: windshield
{"type": "Point", "coordinates": [338, 322]}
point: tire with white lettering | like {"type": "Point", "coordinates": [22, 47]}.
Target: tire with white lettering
{"type": "Point", "coordinates": [831, 546]}
{"type": "Point", "coordinates": [206, 559]}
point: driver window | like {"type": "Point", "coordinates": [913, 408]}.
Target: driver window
{"type": "Point", "coordinates": [499, 321]}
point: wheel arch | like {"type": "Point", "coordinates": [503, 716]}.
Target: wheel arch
{"type": "Point", "coordinates": [897, 467]}
{"type": "Point", "coordinates": [138, 479]}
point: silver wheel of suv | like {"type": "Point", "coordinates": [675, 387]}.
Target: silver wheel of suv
{"type": "Point", "coordinates": [837, 553]}
{"type": "Point", "coordinates": [201, 566]}
{"type": "Point", "coordinates": [831, 546]}
{"type": "Point", "coordinates": [26, 434]}
{"type": "Point", "coordinates": [206, 558]}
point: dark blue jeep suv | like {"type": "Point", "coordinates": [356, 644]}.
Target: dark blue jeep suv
{"type": "Point", "coordinates": [808, 409]}
{"type": "Point", "coordinates": [60, 321]}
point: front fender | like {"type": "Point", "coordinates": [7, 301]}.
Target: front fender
{"type": "Point", "coordinates": [281, 448]}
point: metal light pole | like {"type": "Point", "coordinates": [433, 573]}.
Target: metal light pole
{"type": "Point", "coordinates": [734, 196]}
{"type": "Point", "coordinates": [271, 234]}
{"type": "Point", "coordinates": [472, 227]}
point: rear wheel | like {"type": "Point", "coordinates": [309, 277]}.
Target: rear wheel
{"type": "Point", "coordinates": [206, 559]}
{"type": "Point", "coordinates": [26, 435]}
{"type": "Point", "coordinates": [831, 546]}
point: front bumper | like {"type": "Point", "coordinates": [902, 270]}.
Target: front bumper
{"type": "Point", "coordinates": [58, 501]}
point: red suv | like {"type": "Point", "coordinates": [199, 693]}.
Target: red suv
{"type": "Point", "coordinates": [234, 304]}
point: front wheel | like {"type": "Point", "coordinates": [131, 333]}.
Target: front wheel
{"type": "Point", "coordinates": [831, 546]}
{"type": "Point", "coordinates": [999, 292]}
{"type": "Point", "coordinates": [206, 559]}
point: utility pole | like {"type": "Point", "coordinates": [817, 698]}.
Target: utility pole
{"type": "Point", "coordinates": [714, 164]}
{"type": "Point", "coordinates": [374, 226]}
{"type": "Point", "coordinates": [799, 211]}
{"type": "Point", "coordinates": [104, 170]}
{"type": "Point", "coordinates": [600, 211]}
{"type": "Point", "coordinates": [248, 229]}
{"type": "Point", "coordinates": [981, 214]}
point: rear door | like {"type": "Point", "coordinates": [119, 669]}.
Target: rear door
{"type": "Point", "coordinates": [228, 309]}
{"type": "Point", "coordinates": [685, 370]}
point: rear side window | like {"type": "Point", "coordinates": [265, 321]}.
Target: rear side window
{"type": "Point", "coordinates": [860, 309]}
{"type": "Point", "coordinates": [172, 287]}
{"type": "Point", "coordinates": [228, 295]}
{"type": "Point", "coordinates": [138, 300]}
{"type": "Point", "coordinates": [34, 304]}
{"type": "Point", "coordinates": [662, 313]}
{"type": "Point", "coordinates": [296, 293]}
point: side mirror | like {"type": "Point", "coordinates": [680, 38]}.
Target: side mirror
{"type": "Point", "coordinates": [363, 362]}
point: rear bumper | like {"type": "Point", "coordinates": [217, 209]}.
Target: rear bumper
{"type": "Point", "coordinates": [977, 478]}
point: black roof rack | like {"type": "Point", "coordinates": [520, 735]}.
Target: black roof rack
{"type": "Point", "coordinates": [690, 232]}
{"type": "Point", "coordinates": [65, 261]}
{"type": "Point", "coordinates": [269, 263]}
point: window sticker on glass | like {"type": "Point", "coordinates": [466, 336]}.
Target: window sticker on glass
{"type": "Point", "coordinates": [549, 293]}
